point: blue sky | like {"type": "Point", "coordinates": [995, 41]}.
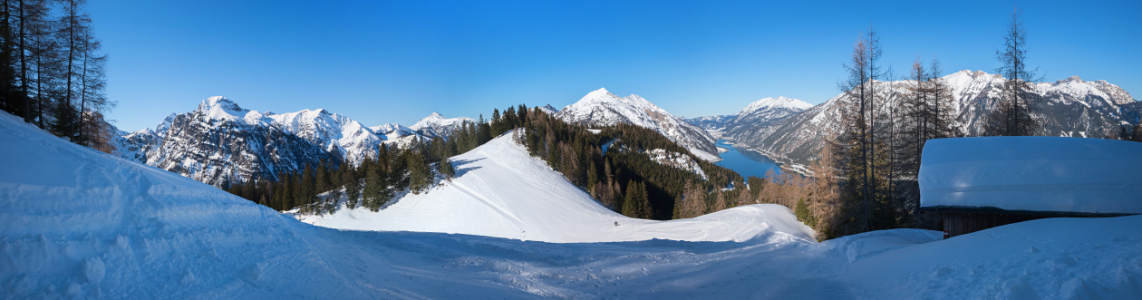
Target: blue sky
{"type": "Point", "coordinates": [398, 61]}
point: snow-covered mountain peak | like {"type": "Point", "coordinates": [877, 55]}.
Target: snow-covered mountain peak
{"type": "Point", "coordinates": [221, 107]}
{"type": "Point", "coordinates": [1072, 79]}
{"type": "Point", "coordinates": [602, 108]}
{"type": "Point", "coordinates": [436, 124]}
{"type": "Point", "coordinates": [600, 93]}
{"type": "Point", "coordinates": [779, 102]}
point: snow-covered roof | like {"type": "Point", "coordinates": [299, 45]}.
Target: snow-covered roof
{"type": "Point", "coordinates": [1046, 174]}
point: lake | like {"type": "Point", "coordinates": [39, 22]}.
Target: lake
{"type": "Point", "coordinates": [746, 163]}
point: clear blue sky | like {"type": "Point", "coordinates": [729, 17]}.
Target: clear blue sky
{"type": "Point", "coordinates": [398, 61]}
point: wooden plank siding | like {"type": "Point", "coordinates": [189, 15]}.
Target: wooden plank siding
{"type": "Point", "coordinates": [957, 223]}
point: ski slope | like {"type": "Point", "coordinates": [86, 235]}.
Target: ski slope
{"type": "Point", "coordinates": [75, 223]}
{"type": "Point", "coordinates": [501, 191]}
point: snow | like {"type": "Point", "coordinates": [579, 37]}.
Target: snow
{"type": "Point", "coordinates": [1033, 173]}
{"type": "Point", "coordinates": [602, 108]}
{"type": "Point", "coordinates": [678, 160]}
{"type": "Point", "coordinates": [501, 191]}
{"type": "Point", "coordinates": [779, 102]}
{"type": "Point", "coordinates": [76, 223]}
{"type": "Point", "coordinates": [437, 125]}
{"type": "Point", "coordinates": [338, 135]}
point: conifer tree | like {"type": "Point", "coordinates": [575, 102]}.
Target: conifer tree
{"type": "Point", "coordinates": [592, 176]}
{"type": "Point", "coordinates": [321, 180]}
{"type": "Point", "coordinates": [719, 201]}
{"type": "Point", "coordinates": [420, 176]}
{"type": "Point", "coordinates": [352, 185]}
{"type": "Point", "coordinates": [248, 190]}
{"type": "Point", "coordinates": [636, 204]}
{"type": "Point", "coordinates": [497, 123]}
{"type": "Point", "coordinates": [1013, 116]}
{"type": "Point", "coordinates": [305, 189]}
{"type": "Point", "coordinates": [446, 169]}
{"type": "Point", "coordinates": [374, 184]}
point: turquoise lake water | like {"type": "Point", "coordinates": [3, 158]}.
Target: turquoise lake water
{"type": "Point", "coordinates": [746, 163]}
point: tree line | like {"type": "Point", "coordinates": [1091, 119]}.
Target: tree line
{"type": "Point", "coordinates": [51, 72]}
{"type": "Point", "coordinates": [381, 177]}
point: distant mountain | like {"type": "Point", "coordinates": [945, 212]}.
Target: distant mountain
{"type": "Point", "coordinates": [602, 108]}
{"type": "Point", "coordinates": [436, 125]}
{"type": "Point", "coordinates": [755, 116]}
{"type": "Point", "coordinates": [1070, 107]}
{"type": "Point", "coordinates": [714, 125]}
{"type": "Point", "coordinates": [221, 140]}
{"type": "Point", "coordinates": [548, 109]}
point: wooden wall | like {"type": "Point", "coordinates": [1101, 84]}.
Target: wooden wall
{"type": "Point", "coordinates": [957, 223]}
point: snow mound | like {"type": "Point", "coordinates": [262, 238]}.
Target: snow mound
{"type": "Point", "coordinates": [1033, 173]}
{"type": "Point", "coordinates": [500, 191]}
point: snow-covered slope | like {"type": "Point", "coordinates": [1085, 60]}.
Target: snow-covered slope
{"type": "Point", "coordinates": [76, 223]}
{"type": "Point", "coordinates": [1070, 107]}
{"type": "Point", "coordinates": [501, 191]}
{"type": "Point", "coordinates": [602, 108]}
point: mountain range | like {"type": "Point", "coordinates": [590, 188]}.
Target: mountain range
{"type": "Point", "coordinates": [1069, 107]}
{"type": "Point", "coordinates": [222, 141]}
{"type": "Point", "coordinates": [756, 115]}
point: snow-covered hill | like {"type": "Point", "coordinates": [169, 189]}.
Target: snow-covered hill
{"type": "Point", "coordinates": [1070, 107]}
{"type": "Point", "coordinates": [602, 108]}
{"type": "Point", "coordinates": [501, 191]}
{"type": "Point", "coordinates": [76, 223]}
{"type": "Point", "coordinates": [221, 141]}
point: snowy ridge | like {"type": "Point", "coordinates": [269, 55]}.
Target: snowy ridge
{"type": "Point", "coordinates": [436, 124]}
{"type": "Point", "coordinates": [222, 141]}
{"type": "Point", "coordinates": [76, 223]}
{"type": "Point", "coordinates": [501, 191]}
{"type": "Point", "coordinates": [1070, 107]}
{"type": "Point", "coordinates": [602, 108]}
{"type": "Point", "coordinates": [756, 116]}
{"type": "Point", "coordinates": [773, 103]}
{"type": "Point", "coordinates": [334, 133]}
{"type": "Point", "coordinates": [548, 109]}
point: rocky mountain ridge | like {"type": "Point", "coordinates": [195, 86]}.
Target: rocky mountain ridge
{"type": "Point", "coordinates": [1069, 107]}
{"type": "Point", "coordinates": [221, 141]}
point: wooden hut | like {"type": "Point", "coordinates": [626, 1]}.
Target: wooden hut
{"type": "Point", "coordinates": [984, 182]}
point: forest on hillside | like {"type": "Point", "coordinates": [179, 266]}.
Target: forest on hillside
{"type": "Point", "coordinates": [52, 72]}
